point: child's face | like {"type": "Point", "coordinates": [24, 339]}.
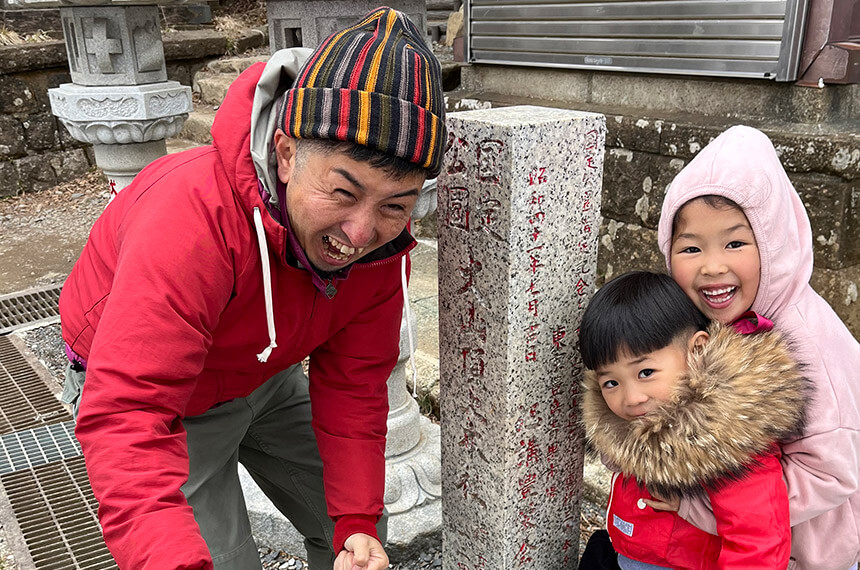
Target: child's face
{"type": "Point", "coordinates": [636, 385]}
{"type": "Point", "coordinates": [715, 260]}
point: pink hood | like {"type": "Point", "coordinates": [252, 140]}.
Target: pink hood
{"type": "Point", "coordinates": [822, 467]}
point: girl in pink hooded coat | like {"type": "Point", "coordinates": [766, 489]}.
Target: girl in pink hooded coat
{"type": "Point", "coordinates": [821, 468]}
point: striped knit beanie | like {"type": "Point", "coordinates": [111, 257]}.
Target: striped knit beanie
{"type": "Point", "coordinates": [375, 84]}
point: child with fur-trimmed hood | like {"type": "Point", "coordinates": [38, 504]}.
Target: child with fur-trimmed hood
{"type": "Point", "coordinates": [686, 407]}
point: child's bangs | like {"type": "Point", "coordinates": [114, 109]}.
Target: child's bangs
{"type": "Point", "coordinates": [714, 201]}
{"type": "Point", "coordinates": [628, 335]}
{"type": "Point", "coordinates": [636, 313]}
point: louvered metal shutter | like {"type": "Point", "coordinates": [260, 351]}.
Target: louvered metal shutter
{"type": "Point", "coordinates": [732, 38]}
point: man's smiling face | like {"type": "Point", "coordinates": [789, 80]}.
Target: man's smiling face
{"type": "Point", "coordinates": [341, 209]}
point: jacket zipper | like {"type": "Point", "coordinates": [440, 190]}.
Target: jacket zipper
{"type": "Point", "coordinates": [331, 290]}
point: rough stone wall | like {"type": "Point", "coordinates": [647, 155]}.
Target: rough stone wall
{"type": "Point", "coordinates": [643, 155]}
{"type": "Point", "coordinates": [36, 152]}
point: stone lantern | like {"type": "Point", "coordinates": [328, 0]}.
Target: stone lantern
{"type": "Point", "coordinates": [120, 100]}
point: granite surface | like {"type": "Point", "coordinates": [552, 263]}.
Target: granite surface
{"type": "Point", "coordinates": [113, 45]}
{"type": "Point", "coordinates": [519, 215]}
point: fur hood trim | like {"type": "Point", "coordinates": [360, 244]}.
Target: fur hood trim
{"type": "Point", "coordinates": [742, 393]}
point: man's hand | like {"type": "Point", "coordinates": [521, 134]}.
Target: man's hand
{"type": "Point", "coordinates": [361, 552]}
{"type": "Point", "coordinates": [659, 503]}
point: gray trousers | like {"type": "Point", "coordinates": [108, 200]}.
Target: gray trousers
{"type": "Point", "coordinates": [270, 433]}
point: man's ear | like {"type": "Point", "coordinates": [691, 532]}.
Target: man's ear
{"type": "Point", "coordinates": [285, 152]}
{"type": "Point", "coordinates": [698, 341]}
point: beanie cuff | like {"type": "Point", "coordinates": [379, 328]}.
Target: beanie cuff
{"type": "Point", "coordinates": [391, 125]}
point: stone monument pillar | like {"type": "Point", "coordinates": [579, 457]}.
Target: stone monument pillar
{"type": "Point", "coordinates": [119, 100]}
{"type": "Point", "coordinates": [519, 214]}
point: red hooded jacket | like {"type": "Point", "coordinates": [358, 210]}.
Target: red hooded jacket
{"type": "Point", "coordinates": [716, 438]}
{"type": "Point", "coordinates": [752, 516]}
{"type": "Point", "coordinates": [166, 305]}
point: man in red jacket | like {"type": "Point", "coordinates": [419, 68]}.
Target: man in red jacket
{"type": "Point", "coordinates": [208, 281]}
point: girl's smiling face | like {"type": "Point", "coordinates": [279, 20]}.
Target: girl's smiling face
{"type": "Point", "coordinates": [715, 259]}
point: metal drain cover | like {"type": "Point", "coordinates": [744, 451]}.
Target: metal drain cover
{"type": "Point", "coordinates": [30, 307]}
{"type": "Point", "coordinates": [25, 401]}
{"type": "Point", "coordinates": [38, 446]}
{"type": "Point", "coordinates": [56, 512]}
{"type": "Point", "coordinates": [42, 474]}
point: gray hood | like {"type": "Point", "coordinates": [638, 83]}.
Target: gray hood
{"type": "Point", "coordinates": [285, 63]}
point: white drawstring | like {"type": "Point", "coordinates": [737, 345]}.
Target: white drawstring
{"type": "Point", "coordinates": [267, 285]}
{"type": "Point", "coordinates": [408, 325]}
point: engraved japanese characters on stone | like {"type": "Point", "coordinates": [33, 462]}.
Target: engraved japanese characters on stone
{"type": "Point", "coordinates": [519, 193]}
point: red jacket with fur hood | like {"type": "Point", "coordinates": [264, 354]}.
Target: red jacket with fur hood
{"type": "Point", "coordinates": [715, 438]}
{"type": "Point", "coordinates": [166, 305]}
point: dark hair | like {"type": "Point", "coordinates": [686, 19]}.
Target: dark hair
{"type": "Point", "coordinates": [713, 200]}
{"type": "Point", "coordinates": [636, 313]}
{"type": "Point", "coordinates": [394, 166]}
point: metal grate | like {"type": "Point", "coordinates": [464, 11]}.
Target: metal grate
{"type": "Point", "coordinates": [25, 401]}
{"type": "Point", "coordinates": [31, 307]}
{"type": "Point", "coordinates": [56, 511]}
{"type": "Point", "coordinates": [38, 446]}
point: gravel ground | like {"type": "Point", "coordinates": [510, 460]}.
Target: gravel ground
{"type": "Point", "coordinates": [47, 344]}
{"type": "Point", "coordinates": [42, 233]}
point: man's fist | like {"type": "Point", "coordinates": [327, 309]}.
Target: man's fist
{"type": "Point", "coordinates": [361, 552]}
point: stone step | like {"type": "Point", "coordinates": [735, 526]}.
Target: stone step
{"type": "Point", "coordinates": [235, 65]}
{"type": "Point", "coordinates": [213, 87]}
{"type": "Point", "coordinates": [710, 99]}
{"type": "Point", "coordinates": [198, 126]}
{"type": "Point", "coordinates": [438, 15]}
{"type": "Point", "coordinates": [213, 81]}
{"type": "Point", "coordinates": [446, 5]}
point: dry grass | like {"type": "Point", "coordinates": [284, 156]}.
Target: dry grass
{"type": "Point", "coordinates": [228, 24]}
{"type": "Point", "coordinates": [234, 16]}
{"type": "Point", "coordinates": [11, 37]}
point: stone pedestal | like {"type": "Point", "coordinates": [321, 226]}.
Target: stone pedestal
{"type": "Point", "coordinates": [294, 23]}
{"type": "Point", "coordinates": [519, 214]}
{"type": "Point", "coordinates": [126, 124]}
{"type": "Point", "coordinates": [413, 474]}
{"type": "Point", "coordinates": [120, 100]}
{"type": "Point", "coordinates": [121, 163]}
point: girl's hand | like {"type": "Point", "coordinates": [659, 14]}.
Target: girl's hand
{"type": "Point", "coordinates": [658, 503]}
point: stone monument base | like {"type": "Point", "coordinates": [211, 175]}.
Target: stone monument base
{"type": "Point", "coordinates": [414, 532]}
{"type": "Point", "coordinates": [419, 527]}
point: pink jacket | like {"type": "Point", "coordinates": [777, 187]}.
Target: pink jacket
{"type": "Point", "coordinates": [821, 468]}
